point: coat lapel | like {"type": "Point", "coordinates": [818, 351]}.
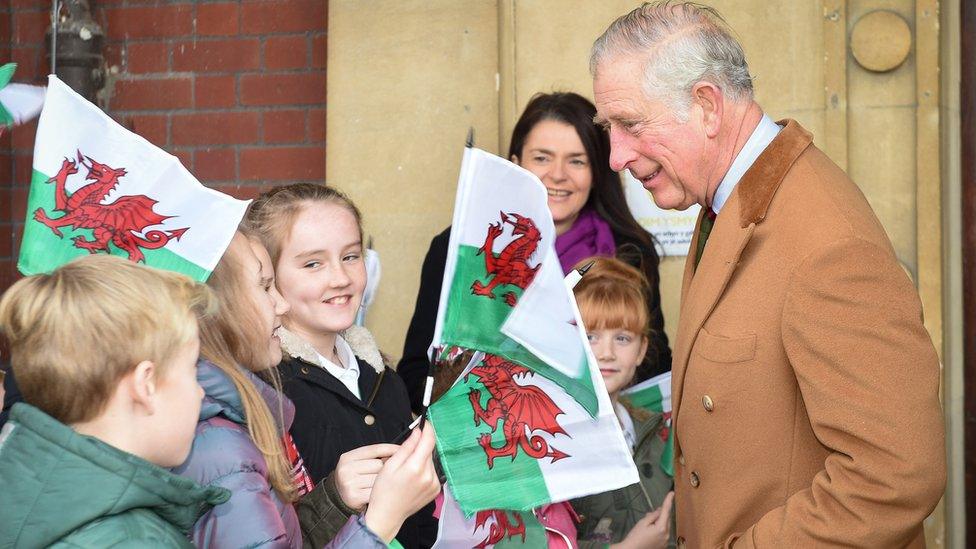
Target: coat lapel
{"type": "Point", "coordinates": [705, 285]}
{"type": "Point", "coordinates": [317, 375]}
{"type": "Point", "coordinates": [702, 288]}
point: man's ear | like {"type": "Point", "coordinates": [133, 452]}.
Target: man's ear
{"type": "Point", "coordinates": [515, 159]}
{"type": "Point", "coordinates": [710, 100]}
{"type": "Point", "coordinates": [143, 383]}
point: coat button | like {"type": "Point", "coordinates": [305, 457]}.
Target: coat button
{"type": "Point", "coordinates": [707, 403]}
{"type": "Point", "coordinates": [694, 480]}
{"type": "Point", "coordinates": [647, 469]}
{"type": "Point", "coordinates": [681, 459]}
{"type": "Point", "coordinates": [304, 370]}
{"type": "Point", "coordinates": [369, 419]}
{"type": "Point", "coordinates": [681, 541]}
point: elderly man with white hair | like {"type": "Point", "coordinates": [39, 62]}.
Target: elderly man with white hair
{"type": "Point", "coordinates": [805, 388]}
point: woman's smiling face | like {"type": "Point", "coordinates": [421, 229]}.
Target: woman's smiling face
{"type": "Point", "coordinates": [554, 152]}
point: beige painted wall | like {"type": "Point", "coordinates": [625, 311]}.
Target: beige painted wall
{"type": "Point", "coordinates": [407, 79]}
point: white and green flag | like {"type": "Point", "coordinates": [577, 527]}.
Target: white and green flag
{"type": "Point", "coordinates": [503, 290]}
{"type": "Point", "coordinates": [655, 395]}
{"type": "Point", "coordinates": [510, 438]}
{"type": "Point", "coordinates": [496, 529]}
{"type": "Point", "coordinates": [529, 422]}
{"type": "Point", "coordinates": [99, 188]}
{"type": "Point", "coordinates": [19, 103]}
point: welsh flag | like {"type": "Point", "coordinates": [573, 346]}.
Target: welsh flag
{"type": "Point", "coordinates": [99, 188]}
{"type": "Point", "coordinates": [510, 438]}
{"type": "Point", "coordinates": [529, 422]}
{"type": "Point", "coordinates": [655, 395]}
{"type": "Point", "coordinates": [503, 290]}
{"type": "Point", "coordinates": [491, 528]}
{"type": "Point", "coordinates": [18, 102]}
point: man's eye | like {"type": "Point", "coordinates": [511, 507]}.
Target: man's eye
{"type": "Point", "coordinates": [311, 265]}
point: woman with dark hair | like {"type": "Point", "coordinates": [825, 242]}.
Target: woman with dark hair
{"type": "Point", "coordinates": [556, 139]}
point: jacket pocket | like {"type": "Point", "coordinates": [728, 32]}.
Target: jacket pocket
{"type": "Point", "coordinates": [726, 350]}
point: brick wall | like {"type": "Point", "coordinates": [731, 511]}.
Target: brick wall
{"type": "Point", "coordinates": [235, 89]}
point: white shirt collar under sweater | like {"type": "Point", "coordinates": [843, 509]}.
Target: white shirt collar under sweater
{"type": "Point", "coordinates": [348, 371]}
{"type": "Point", "coordinates": [761, 137]}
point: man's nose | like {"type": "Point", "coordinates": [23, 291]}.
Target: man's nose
{"type": "Point", "coordinates": [622, 152]}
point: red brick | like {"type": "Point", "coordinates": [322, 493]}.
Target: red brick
{"type": "Point", "coordinates": [217, 19]}
{"type": "Point", "coordinates": [243, 192]}
{"type": "Point", "coordinates": [152, 127]}
{"type": "Point", "coordinates": [217, 55]}
{"type": "Point", "coordinates": [145, 57]}
{"type": "Point", "coordinates": [169, 21]}
{"type": "Point", "coordinates": [283, 89]}
{"type": "Point", "coordinates": [18, 203]}
{"type": "Point", "coordinates": [6, 240]}
{"type": "Point", "coordinates": [185, 157]}
{"type": "Point", "coordinates": [22, 138]}
{"type": "Point", "coordinates": [28, 62]}
{"type": "Point", "coordinates": [320, 51]}
{"type": "Point", "coordinates": [8, 275]}
{"type": "Point", "coordinates": [148, 94]}
{"type": "Point", "coordinates": [283, 16]}
{"type": "Point", "coordinates": [23, 170]}
{"type": "Point", "coordinates": [36, 5]}
{"type": "Point", "coordinates": [214, 91]}
{"type": "Point", "coordinates": [285, 52]}
{"type": "Point", "coordinates": [283, 164]}
{"type": "Point", "coordinates": [30, 26]}
{"type": "Point", "coordinates": [5, 24]}
{"type": "Point", "coordinates": [215, 129]}
{"type": "Point", "coordinates": [316, 125]}
{"type": "Point", "coordinates": [6, 177]}
{"type": "Point", "coordinates": [284, 127]}
{"type": "Point", "coordinates": [215, 164]}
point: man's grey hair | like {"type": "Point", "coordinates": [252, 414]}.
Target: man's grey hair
{"type": "Point", "coordinates": [682, 43]}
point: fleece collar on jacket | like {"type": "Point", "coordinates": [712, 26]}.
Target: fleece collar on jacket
{"type": "Point", "coordinates": [222, 398]}
{"type": "Point", "coordinates": [54, 481]}
{"type": "Point", "coordinates": [358, 338]}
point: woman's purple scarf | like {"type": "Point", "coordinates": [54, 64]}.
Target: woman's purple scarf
{"type": "Point", "coordinates": [590, 235]}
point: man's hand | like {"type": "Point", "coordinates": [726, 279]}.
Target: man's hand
{"type": "Point", "coordinates": [356, 472]}
{"type": "Point", "coordinates": [652, 531]}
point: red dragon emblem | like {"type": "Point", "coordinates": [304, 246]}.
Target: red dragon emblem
{"type": "Point", "coordinates": [501, 528]}
{"type": "Point", "coordinates": [522, 409]}
{"type": "Point", "coordinates": [120, 222]}
{"type": "Point", "coordinates": [511, 265]}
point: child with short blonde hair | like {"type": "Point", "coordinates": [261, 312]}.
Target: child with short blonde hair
{"type": "Point", "coordinates": [105, 354]}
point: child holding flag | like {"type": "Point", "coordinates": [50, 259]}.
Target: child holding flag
{"type": "Point", "coordinates": [348, 404]}
{"type": "Point", "coordinates": [611, 301]}
{"type": "Point", "coordinates": [239, 443]}
{"type": "Point", "coordinates": [105, 354]}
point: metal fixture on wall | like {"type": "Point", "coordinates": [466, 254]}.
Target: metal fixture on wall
{"type": "Point", "coordinates": [77, 42]}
